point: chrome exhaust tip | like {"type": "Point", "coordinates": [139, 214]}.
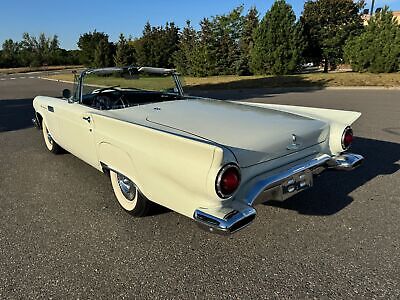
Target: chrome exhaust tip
{"type": "Point", "coordinates": [347, 162]}
{"type": "Point", "coordinates": [231, 222]}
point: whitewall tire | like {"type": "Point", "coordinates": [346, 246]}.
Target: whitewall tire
{"type": "Point", "coordinates": [129, 195]}
{"type": "Point", "coordinates": [51, 145]}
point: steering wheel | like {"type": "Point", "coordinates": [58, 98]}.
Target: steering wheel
{"type": "Point", "coordinates": [104, 101]}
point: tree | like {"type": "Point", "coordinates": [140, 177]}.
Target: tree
{"type": "Point", "coordinates": [205, 63]}
{"type": "Point", "coordinates": [9, 55]}
{"type": "Point", "coordinates": [327, 25]}
{"type": "Point", "coordinates": [34, 51]}
{"type": "Point", "coordinates": [185, 56]}
{"type": "Point", "coordinates": [276, 48]}
{"type": "Point", "coordinates": [246, 42]}
{"type": "Point", "coordinates": [377, 49]}
{"type": "Point", "coordinates": [88, 43]}
{"type": "Point", "coordinates": [124, 54]}
{"type": "Point", "coordinates": [102, 54]}
{"type": "Point", "coordinates": [157, 45]}
{"type": "Point", "coordinates": [216, 47]}
{"type": "Point", "coordinates": [227, 32]}
{"type": "Point", "coordinates": [39, 51]}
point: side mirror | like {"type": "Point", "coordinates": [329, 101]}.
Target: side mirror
{"type": "Point", "coordinates": [66, 93]}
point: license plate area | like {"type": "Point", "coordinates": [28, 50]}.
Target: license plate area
{"type": "Point", "coordinates": [287, 188]}
{"type": "Point", "coordinates": [296, 184]}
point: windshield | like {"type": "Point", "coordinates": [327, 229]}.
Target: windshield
{"type": "Point", "coordinates": [113, 88]}
{"type": "Point", "coordinates": [129, 79]}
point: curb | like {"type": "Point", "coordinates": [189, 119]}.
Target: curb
{"type": "Point", "coordinates": [362, 88]}
{"type": "Point", "coordinates": [55, 80]}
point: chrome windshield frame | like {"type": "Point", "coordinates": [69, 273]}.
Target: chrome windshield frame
{"type": "Point", "coordinates": [149, 70]}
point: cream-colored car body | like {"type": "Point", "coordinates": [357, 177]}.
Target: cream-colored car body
{"type": "Point", "coordinates": [174, 150]}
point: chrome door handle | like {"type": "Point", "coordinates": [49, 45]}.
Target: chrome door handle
{"type": "Point", "coordinates": [86, 119]}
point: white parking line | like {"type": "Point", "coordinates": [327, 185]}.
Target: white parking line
{"type": "Point", "coordinates": [22, 77]}
{"type": "Point", "coordinates": [2, 79]}
{"type": "Point", "coordinates": [31, 77]}
{"type": "Point", "coordinates": [12, 78]}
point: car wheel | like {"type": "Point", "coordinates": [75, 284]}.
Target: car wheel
{"type": "Point", "coordinates": [129, 195]}
{"type": "Point", "coordinates": [51, 145]}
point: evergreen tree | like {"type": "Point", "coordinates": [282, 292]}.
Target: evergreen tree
{"type": "Point", "coordinates": [328, 24]}
{"type": "Point", "coordinates": [102, 54]}
{"type": "Point", "coordinates": [246, 43]}
{"type": "Point", "coordinates": [157, 45]}
{"type": "Point", "coordinates": [124, 54]}
{"type": "Point", "coordinates": [205, 62]}
{"type": "Point", "coordinates": [377, 49]}
{"type": "Point", "coordinates": [227, 32]}
{"type": "Point", "coordinates": [184, 57]}
{"type": "Point", "coordinates": [217, 48]}
{"type": "Point", "coordinates": [275, 42]}
{"type": "Point", "coordinates": [10, 53]}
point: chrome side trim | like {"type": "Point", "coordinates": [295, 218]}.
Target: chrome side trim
{"type": "Point", "coordinates": [230, 223]}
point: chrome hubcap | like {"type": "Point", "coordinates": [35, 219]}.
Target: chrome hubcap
{"type": "Point", "coordinates": [128, 188]}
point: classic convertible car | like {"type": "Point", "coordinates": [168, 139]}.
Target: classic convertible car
{"type": "Point", "coordinates": [207, 159]}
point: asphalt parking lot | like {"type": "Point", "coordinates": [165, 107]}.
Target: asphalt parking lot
{"type": "Point", "coordinates": [63, 235]}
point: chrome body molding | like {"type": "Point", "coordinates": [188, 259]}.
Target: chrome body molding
{"type": "Point", "coordinates": [240, 212]}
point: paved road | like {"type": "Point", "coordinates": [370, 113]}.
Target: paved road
{"type": "Point", "coordinates": [62, 234]}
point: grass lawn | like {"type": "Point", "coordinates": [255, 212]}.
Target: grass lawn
{"type": "Point", "coordinates": [301, 80]}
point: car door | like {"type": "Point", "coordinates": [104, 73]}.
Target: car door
{"type": "Point", "coordinates": [76, 128]}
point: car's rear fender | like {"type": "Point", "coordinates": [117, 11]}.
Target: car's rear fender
{"type": "Point", "coordinates": [175, 171]}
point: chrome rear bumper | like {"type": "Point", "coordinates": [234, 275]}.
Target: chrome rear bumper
{"type": "Point", "coordinates": [234, 220]}
{"type": "Point", "coordinates": [241, 213]}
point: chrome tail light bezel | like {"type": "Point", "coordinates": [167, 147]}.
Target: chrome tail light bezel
{"type": "Point", "coordinates": [219, 178]}
{"type": "Point", "coordinates": [345, 131]}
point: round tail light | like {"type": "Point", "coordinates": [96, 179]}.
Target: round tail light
{"type": "Point", "coordinates": [227, 181]}
{"type": "Point", "coordinates": [347, 138]}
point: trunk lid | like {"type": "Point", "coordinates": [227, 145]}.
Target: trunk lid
{"type": "Point", "coordinates": [253, 134]}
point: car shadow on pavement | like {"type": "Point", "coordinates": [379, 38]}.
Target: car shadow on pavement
{"type": "Point", "coordinates": [16, 114]}
{"type": "Point", "coordinates": [332, 189]}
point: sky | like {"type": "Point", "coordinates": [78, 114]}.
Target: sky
{"type": "Point", "coordinates": [70, 19]}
